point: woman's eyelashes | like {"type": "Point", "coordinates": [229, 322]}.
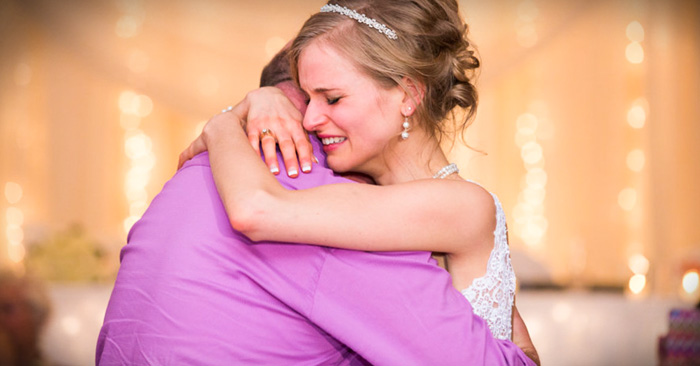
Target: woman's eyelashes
{"type": "Point", "coordinates": [332, 101]}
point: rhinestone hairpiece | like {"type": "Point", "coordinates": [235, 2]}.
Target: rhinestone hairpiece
{"type": "Point", "coordinates": [333, 8]}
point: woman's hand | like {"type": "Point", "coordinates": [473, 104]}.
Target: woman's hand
{"type": "Point", "coordinates": [228, 118]}
{"type": "Point", "coordinates": [272, 119]}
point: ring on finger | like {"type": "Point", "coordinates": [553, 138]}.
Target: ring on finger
{"type": "Point", "coordinates": [266, 132]}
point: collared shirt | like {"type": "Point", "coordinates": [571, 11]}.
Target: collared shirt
{"type": "Point", "coordinates": [192, 291]}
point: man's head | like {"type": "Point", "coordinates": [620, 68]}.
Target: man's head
{"type": "Point", "coordinates": [278, 73]}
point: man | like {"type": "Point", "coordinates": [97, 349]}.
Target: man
{"type": "Point", "coordinates": [191, 290]}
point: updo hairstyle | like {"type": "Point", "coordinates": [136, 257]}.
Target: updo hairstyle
{"type": "Point", "coordinates": [432, 49]}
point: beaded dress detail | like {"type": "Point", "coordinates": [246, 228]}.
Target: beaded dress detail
{"type": "Point", "coordinates": [492, 295]}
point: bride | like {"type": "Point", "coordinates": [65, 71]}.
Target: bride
{"type": "Point", "coordinates": [382, 78]}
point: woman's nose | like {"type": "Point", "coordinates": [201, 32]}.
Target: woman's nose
{"type": "Point", "coordinates": [313, 118]}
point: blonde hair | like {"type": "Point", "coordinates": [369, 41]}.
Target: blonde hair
{"type": "Point", "coordinates": [431, 49]}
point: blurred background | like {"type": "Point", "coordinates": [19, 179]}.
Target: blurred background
{"type": "Point", "coordinates": [589, 117]}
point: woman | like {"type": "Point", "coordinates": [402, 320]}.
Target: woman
{"type": "Point", "coordinates": [381, 77]}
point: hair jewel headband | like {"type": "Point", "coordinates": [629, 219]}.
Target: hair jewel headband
{"type": "Point", "coordinates": [333, 8]}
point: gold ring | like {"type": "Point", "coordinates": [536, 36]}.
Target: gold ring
{"type": "Point", "coordinates": [266, 132]}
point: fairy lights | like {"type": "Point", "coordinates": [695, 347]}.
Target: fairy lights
{"type": "Point", "coordinates": [138, 149]}
{"type": "Point", "coordinates": [14, 218]}
{"type": "Point", "coordinates": [530, 222]}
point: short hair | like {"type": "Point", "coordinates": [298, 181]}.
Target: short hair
{"type": "Point", "coordinates": [277, 70]}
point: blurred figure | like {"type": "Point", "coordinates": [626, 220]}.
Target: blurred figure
{"type": "Point", "coordinates": [24, 311]}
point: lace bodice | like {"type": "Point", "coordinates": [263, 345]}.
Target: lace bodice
{"type": "Point", "coordinates": [492, 295]}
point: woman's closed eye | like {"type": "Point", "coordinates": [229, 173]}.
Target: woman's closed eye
{"type": "Point", "coordinates": [332, 101]}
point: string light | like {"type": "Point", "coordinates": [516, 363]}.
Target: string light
{"type": "Point", "coordinates": [14, 219]}
{"type": "Point", "coordinates": [138, 149]}
{"type": "Point", "coordinates": [530, 223]}
{"type": "Point", "coordinates": [634, 52]}
{"type": "Point", "coordinates": [628, 198]}
{"type": "Point", "coordinates": [526, 33]}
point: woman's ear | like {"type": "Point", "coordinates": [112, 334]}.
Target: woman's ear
{"type": "Point", "coordinates": [415, 92]}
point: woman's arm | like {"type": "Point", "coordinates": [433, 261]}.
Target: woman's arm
{"type": "Point", "coordinates": [445, 216]}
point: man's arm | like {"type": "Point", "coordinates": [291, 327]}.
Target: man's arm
{"type": "Point", "coordinates": [401, 309]}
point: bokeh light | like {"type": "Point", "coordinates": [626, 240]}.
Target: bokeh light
{"type": "Point", "coordinates": [637, 283]}
{"type": "Point", "coordinates": [627, 198]}
{"type": "Point", "coordinates": [13, 192]}
{"type": "Point", "coordinates": [636, 160]}
{"type": "Point", "coordinates": [634, 53]}
{"type": "Point", "coordinates": [635, 31]}
{"type": "Point", "coordinates": [638, 264]}
{"type": "Point", "coordinates": [691, 280]}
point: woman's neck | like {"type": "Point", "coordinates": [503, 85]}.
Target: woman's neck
{"type": "Point", "coordinates": [418, 157]}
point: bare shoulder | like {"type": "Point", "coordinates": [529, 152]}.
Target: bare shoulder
{"type": "Point", "coordinates": [474, 212]}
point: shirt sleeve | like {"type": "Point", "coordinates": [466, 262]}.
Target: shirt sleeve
{"type": "Point", "coordinates": [401, 309]}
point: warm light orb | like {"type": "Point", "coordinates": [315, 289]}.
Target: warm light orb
{"type": "Point", "coordinates": [135, 104]}
{"type": "Point", "coordinates": [16, 252]}
{"type": "Point", "coordinates": [137, 178]}
{"type": "Point", "coordinates": [526, 35]}
{"type": "Point", "coordinates": [137, 146]}
{"type": "Point", "coordinates": [637, 283]}
{"type": "Point", "coordinates": [638, 264]}
{"type": "Point", "coordinates": [531, 152]}
{"type": "Point", "coordinates": [634, 53]}
{"type": "Point", "coordinates": [527, 11]}
{"type": "Point", "coordinates": [136, 194]}
{"type": "Point", "coordinates": [14, 216]}
{"type": "Point", "coordinates": [14, 234]}
{"type": "Point", "coordinates": [527, 123]}
{"type": "Point", "coordinates": [636, 160]}
{"type": "Point", "coordinates": [636, 116]}
{"type": "Point", "coordinates": [635, 31]}
{"type": "Point", "coordinates": [129, 222]}
{"type": "Point", "coordinates": [128, 26]}
{"type": "Point", "coordinates": [691, 279]}
{"type": "Point", "coordinates": [536, 177]}
{"type": "Point", "coordinates": [13, 192]}
{"type": "Point", "coordinates": [627, 198]}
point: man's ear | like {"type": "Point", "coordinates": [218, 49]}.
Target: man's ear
{"type": "Point", "coordinates": [415, 91]}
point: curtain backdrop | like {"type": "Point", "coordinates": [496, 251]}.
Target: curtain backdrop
{"type": "Point", "coordinates": [589, 118]}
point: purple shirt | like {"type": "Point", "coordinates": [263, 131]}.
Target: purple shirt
{"type": "Point", "coordinates": [192, 291]}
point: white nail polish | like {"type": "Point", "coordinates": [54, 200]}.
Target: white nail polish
{"type": "Point", "coordinates": [292, 172]}
{"type": "Point", "coordinates": [306, 167]}
{"type": "Point", "coordinates": [274, 170]}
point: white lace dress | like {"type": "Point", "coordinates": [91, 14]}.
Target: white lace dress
{"type": "Point", "coordinates": [492, 295]}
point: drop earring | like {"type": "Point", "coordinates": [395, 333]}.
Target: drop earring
{"type": "Point", "coordinates": [406, 126]}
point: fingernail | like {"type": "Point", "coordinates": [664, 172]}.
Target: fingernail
{"type": "Point", "coordinates": [315, 159]}
{"type": "Point", "coordinates": [306, 167]}
{"type": "Point", "coordinates": [274, 170]}
{"type": "Point", "coordinates": [292, 172]}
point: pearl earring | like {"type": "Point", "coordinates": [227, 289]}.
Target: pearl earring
{"type": "Point", "coordinates": [406, 126]}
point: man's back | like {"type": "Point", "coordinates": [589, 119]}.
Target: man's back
{"type": "Point", "coordinates": [190, 290]}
